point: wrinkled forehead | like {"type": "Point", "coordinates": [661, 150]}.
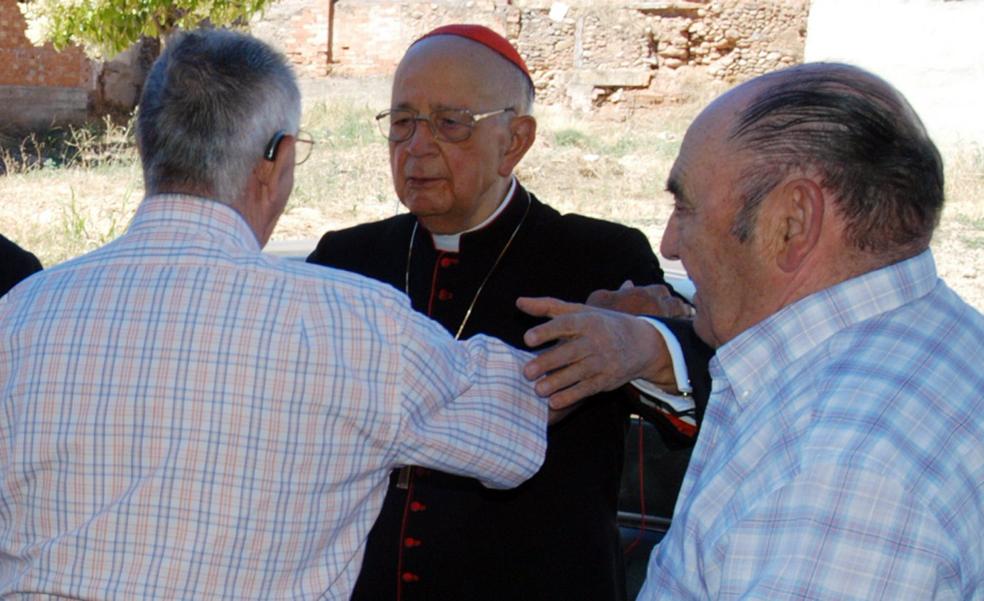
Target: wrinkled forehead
{"type": "Point", "coordinates": [706, 150]}
{"type": "Point", "coordinates": [454, 72]}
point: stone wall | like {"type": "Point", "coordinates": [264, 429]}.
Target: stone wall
{"type": "Point", "coordinates": [38, 85]}
{"type": "Point", "coordinates": [580, 53]}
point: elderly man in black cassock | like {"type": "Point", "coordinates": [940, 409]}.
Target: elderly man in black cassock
{"type": "Point", "coordinates": [474, 240]}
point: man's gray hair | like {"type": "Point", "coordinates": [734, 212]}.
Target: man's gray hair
{"type": "Point", "coordinates": [210, 105]}
{"type": "Point", "coordinates": [527, 92]}
{"type": "Point", "coordinates": [862, 136]}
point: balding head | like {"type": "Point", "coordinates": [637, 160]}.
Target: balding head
{"type": "Point", "coordinates": [493, 76]}
{"type": "Point", "coordinates": [792, 183]}
{"type": "Point", "coordinates": [862, 137]}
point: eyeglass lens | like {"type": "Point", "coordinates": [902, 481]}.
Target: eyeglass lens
{"type": "Point", "coordinates": [449, 125]}
{"type": "Point", "coordinates": [303, 147]}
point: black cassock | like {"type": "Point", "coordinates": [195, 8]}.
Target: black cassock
{"type": "Point", "coordinates": [442, 537]}
{"type": "Point", "coordinates": [15, 264]}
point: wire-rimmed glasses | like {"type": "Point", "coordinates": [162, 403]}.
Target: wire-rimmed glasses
{"type": "Point", "coordinates": [447, 125]}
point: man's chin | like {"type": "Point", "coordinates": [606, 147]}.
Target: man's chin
{"type": "Point", "coordinates": [424, 200]}
{"type": "Point", "coordinates": [702, 327]}
{"type": "Point", "coordinates": [421, 207]}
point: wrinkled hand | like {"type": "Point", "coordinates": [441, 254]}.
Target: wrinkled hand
{"type": "Point", "coordinates": [598, 350]}
{"type": "Point", "coordinates": [655, 300]}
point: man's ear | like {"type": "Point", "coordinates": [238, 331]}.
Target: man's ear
{"type": "Point", "coordinates": [267, 171]}
{"type": "Point", "coordinates": [801, 221]}
{"type": "Point", "coordinates": [522, 134]}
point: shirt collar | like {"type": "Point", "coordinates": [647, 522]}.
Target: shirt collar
{"type": "Point", "coordinates": [763, 352]}
{"type": "Point", "coordinates": [452, 242]}
{"type": "Point", "coordinates": [186, 215]}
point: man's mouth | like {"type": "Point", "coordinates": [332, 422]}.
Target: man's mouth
{"type": "Point", "coordinates": [421, 181]}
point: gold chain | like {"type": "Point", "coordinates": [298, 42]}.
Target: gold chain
{"type": "Point", "coordinates": [502, 253]}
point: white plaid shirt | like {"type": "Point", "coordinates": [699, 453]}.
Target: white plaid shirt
{"type": "Point", "coordinates": [184, 417]}
{"type": "Point", "coordinates": [842, 453]}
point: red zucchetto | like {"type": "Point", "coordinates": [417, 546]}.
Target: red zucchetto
{"type": "Point", "coordinates": [484, 36]}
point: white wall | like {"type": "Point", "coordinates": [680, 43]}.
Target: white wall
{"type": "Point", "coordinates": [931, 50]}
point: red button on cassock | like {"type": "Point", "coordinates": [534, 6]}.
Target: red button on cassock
{"type": "Point", "coordinates": [417, 506]}
{"type": "Point", "coordinates": [411, 542]}
{"type": "Point", "coordinates": [447, 262]}
{"type": "Point", "coordinates": [409, 577]}
{"type": "Point", "coordinates": [444, 294]}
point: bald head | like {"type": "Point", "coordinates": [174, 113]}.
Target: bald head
{"type": "Point", "coordinates": [862, 137]}
{"type": "Point", "coordinates": [487, 75]}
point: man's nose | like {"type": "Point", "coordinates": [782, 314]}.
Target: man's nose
{"type": "Point", "coordinates": [422, 139]}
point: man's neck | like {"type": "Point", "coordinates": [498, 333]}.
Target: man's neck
{"type": "Point", "coordinates": [451, 242]}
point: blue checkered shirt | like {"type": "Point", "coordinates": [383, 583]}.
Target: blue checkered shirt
{"type": "Point", "coordinates": [184, 417]}
{"type": "Point", "coordinates": [842, 453]}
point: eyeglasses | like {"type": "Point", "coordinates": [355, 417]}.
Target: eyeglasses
{"type": "Point", "coordinates": [447, 125]}
{"type": "Point", "coordinates": [303, 143]}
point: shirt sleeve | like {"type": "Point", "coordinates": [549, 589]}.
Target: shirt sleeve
{"type": "Point", "coordinates": [679, 403]}
{"type": "Point", "coordinates": [468, 409]}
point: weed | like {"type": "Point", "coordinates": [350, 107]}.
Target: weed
{"type": "Point", "coordinates": [73, 223]}
{"type": "Point", "coordinates": [976, 223]}
{"type": "Point", "coordinates": [340, 126]}
{"type": "Point", "coordinates": [85, 146]}
{"type": "Point", "coordinates": [972, 243]}
{"type": "Point", "coordinates": [571, 138]}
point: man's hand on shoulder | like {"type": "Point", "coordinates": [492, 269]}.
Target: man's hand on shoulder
{"type": "Point", "coordinates": [596, 350]}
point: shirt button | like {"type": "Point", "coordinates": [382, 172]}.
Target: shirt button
{"type": "Point", "coordinates": [444, 294]}
{"type": "Point", "coordinates": [417, 506]}
{"type": "Point", "coordinates": [447, 262]}
{"type": "Point", "coordinates": [411, 542]}
{"type": "Point", "coordinates": [409, 577]}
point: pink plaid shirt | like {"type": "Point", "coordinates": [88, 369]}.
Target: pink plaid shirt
{"type": "Point", "coordinates": [183, 417]}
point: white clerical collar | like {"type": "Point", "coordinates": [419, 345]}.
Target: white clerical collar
{"type": "Point", "coordinates": [451, 242]}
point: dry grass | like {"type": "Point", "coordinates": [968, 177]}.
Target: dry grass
{"type": "Point", "coordinates": [610, 165]}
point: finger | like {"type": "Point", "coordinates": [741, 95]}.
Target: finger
{"type": "Point", "coordinates": [674, 307]}
{"type": "Point", "coordinates": [682, 308]}
{"type": "Point", "coordinates": [546, 306]}
{"type": "Point", "coordinates": [557, 358]}
{"type": "Point", "coordinates": [560, 379]}
{"type": "Point", "coordinates": [558, 328]}
{"type": "Point", "coordinates": [600, 298]}
{"type": "Point", "coordinates": [626, 285]}
{"type": "Point", "coordinates": [574, 394]}
{"type": "Point", "coordinates": [658, 291]}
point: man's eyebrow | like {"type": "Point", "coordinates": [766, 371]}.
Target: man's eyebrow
{"type": "Point", "coordinates": [673, 187]}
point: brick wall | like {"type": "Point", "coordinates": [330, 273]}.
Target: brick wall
{"type": "Point", "coordinates": [299, 29]}
{"type": "Point", "coordinates": [38, 85]}
{"type": "Point", "coordinates": [23, 64]}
